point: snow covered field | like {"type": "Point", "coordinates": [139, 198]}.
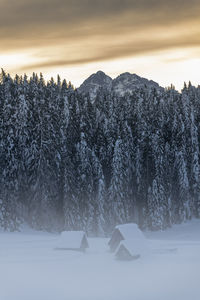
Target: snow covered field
{"type": "Point", "coordinates": [31, 269]}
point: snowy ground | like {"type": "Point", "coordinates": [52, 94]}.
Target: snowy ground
{"type": "Point", "coordinates": [30, 268]}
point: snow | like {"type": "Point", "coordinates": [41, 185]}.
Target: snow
{"type": "Point", "coordinates": [130, 231]}
{"type": "Point", "coordinates": [70, 239]}
{"type": "Point", "coordinates": [31, 269]}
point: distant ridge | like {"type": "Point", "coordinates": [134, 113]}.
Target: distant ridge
{"type": "Point", "coordinates": [124, 83]}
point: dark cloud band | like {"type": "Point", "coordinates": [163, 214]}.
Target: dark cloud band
{"type": "Point", "coordinates": [39, 23]}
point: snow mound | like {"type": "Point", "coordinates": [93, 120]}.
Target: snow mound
{"type": "Point", "coordinates": [72, 240]}
{"type": "Point", "coordinates": [130, 231]}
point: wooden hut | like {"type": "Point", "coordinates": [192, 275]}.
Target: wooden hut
{"type": "Point", "coordinates": [73, 240]}
{"type": "Point", "coordinates": [128, 250]}
{"type": "Point", "coordinates": [125, 232]}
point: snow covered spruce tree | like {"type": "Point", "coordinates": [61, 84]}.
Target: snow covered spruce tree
{"type": "Point", "coordinates": [9, 156]}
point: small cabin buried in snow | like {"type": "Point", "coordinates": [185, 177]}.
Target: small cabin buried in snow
{"type": "Point", "coordinates": [73, 240]}
{"type": "Point", "coordinates": [125, 232]}
{"type": "Point", "coordinates": [130, 249]}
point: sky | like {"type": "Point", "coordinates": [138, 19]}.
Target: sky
{"type": "Point", "coordinates": [156, 39]}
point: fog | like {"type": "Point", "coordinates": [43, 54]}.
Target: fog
{"type": "Point", "coordinates": [31, 268]}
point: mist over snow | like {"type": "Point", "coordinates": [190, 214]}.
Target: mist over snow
{"type": "Point", "coordinates": [31, 268]}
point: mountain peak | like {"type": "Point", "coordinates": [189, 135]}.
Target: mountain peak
{"type": "Point", "coordinates": [96, 81]}
{"type": "Point", "coordinates": [122, 84]}
{"type": "Point", "coordinates": [127, 83]}
{"type": "Point", "coordinates": [100, 73]}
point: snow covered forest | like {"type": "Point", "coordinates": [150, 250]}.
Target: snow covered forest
{"type": "Point", "coordinates": [67, 162]}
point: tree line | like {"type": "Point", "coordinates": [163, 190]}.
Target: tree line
{"type": "Point", "coordinates": [67, 162]}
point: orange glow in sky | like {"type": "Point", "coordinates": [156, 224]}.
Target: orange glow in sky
{"type": "Point", "coordinates": [159, 40]}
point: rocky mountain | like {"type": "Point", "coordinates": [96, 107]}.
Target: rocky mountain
{"type": "Point", "coordinates": [124, 83]}
{"type": "Point", "coordinates": [96, 81]}
{"type": "Point", "coordinates": [127, 82]}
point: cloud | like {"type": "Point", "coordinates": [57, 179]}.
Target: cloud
{"type": "Point", "coordinates": [59, 17]}
{"type": "Point", "coordinates": [70, 32]}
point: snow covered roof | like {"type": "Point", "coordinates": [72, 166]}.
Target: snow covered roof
{"type": "Point", "coordinates": [71, 239]}
{"type": "Point", "coordinates": [134, 247]}
{"type": "Point", "coordinates": [130, 231]}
